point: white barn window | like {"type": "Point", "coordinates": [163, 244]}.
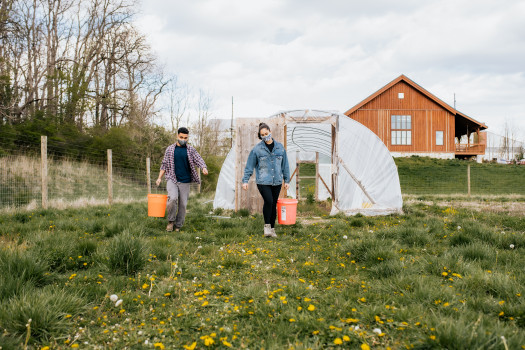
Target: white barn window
{"type": "Point", "coordinates": [401, 130]}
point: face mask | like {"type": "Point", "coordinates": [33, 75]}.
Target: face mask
{"type": "Point", "coordinates": [182, 142]}
{"type": "Point", "coordinates": [267, 137]}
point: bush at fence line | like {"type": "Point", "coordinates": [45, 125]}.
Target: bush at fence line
{"type": "Point", "coordinates": [214, 164]}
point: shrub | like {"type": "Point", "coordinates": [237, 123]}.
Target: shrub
{"type": "Point", "coordinates": [126, 254]}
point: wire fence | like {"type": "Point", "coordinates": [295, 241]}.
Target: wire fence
{"type": "Point", "coordinates": [75, 178]}
{"type": "Point", "coordinates": [79, 177]}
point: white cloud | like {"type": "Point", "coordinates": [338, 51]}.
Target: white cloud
{"type": "Point", "coordinates": [274, 55]}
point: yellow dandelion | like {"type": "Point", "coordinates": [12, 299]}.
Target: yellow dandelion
{"type": "Point", "coordinates": [209, 341]}
{"type": "Point", "coordinates": [365, 347]}
{"type": "Point", "coordinates": [346, 338]}
{"type": "Point", "coordinates": [292, 320]}
{"type": "Point", "coordinates": [363, 299]}
{"type": "Point", "coordinates": [190, 347]}
{"type": "Point", "coordinates": [74, 346]}
{"type": "Point", "coordinates": [159, 346]}
{"type": "Point", "coordinates": [225, 343]}
{"type": "Point", "coordinates": [433, 337]}
{"type": "Point", "coordinates": [205, 303]}
{"type": "Point", "coordinates": [311, 307]}
{"type": "Point", "coordinates": [338, 341]}
{"type": "Point", "coordinates": [145, 286]}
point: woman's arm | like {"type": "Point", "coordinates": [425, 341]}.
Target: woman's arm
{"type": "Point", "coordinates": [251, 163]}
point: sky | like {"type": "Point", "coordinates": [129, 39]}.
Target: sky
{"type": "Point", "coordinates": [276, 55]}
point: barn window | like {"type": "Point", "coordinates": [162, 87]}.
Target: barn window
{"type": "Point", "coordinates": [401, 130]}
{"type": "Point", "coordinates": [439, 138]}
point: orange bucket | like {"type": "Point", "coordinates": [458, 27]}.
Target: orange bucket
{"type": "Point", "coordinates": [286, 211]}
{"type": "Point", "coordinates": [157, 205]}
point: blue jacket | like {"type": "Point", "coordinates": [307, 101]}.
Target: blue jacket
{"type": "Point", "coordinates": [270, 168]}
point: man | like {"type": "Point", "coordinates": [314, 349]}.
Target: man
{"type": "Point", "coordinates": [179, 164]}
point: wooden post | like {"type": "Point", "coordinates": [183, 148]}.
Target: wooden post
{"type": "Point", "coordinates": [43, 168]}
{"type": "Point", "coordinates": [297, 175]}
{"type": "Point", "coordinates": [317, 176]}
{"type": "Point", "coordinates": [148, 174]}
{"type": "Point", "coordinates": [110, 177]}
{"type": "Point", "coordinates": [468, 179]}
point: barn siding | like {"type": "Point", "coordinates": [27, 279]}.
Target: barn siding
{"type": "Point", "coordinates": [427, 118]}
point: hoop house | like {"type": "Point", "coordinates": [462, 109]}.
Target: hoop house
{"type": "Point", "coordinates": [353, 166]}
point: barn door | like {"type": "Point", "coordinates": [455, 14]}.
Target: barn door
{"type": "Point", "coordinates": [245, 139]}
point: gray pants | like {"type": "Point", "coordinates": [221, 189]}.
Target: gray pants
{"type": "Point", "coordinates": [178, 194]}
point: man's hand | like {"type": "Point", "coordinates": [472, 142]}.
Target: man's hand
{"type": "Point", "coordinates": [244, 186]}
{"type": "Point", "coordinates": [158, 181]}
{"type": "Point", "coordinates": [205, 171]}
{"type": "Point", "coordinates": [286, 186]}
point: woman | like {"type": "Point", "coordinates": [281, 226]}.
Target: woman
{"type": "Point", "coordinates": [269, 160]}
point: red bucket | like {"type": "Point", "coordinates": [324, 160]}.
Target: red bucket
{"type": "Point", "coordinates": [287, 211]}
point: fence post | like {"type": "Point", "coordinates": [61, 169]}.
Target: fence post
{"type": "Point", "coordinates": [43, 168]}
{"type": "Point", "coordinates": [468, 179]}
{"type": "Point", "coordinates": [110, 177]}
{"type": "Point", "coordinates": [297, 175]}
{"type": "Point", "coordinates": [316, 176]}
{"type": "Point", "coordinates": [148, 174]}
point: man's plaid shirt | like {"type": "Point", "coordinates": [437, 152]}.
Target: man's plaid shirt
{"type": "Point", "coordinates": [194, 158]}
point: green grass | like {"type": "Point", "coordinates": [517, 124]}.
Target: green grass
{"type": "Point", "coordinates": [423, 175]}
{"type": "Point", "coordinates": [435, 277]}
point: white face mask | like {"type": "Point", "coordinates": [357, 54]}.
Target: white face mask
{"type": "Point", "coordinates": [267, 137]}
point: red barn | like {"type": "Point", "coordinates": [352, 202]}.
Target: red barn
{"type": "Point", "coordinates": [412, 121]}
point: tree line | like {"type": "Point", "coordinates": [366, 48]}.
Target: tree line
{"type": "Point", "coordinates": [80, 72]}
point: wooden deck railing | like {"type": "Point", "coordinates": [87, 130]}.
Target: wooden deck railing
{"type": "Point", "coordinates": [472, 148]}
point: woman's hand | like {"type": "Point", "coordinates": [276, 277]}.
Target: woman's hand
{"type": "Point", "coordinates": [244, 186]}
{"type": "Point", "coordinates": [286, 186]}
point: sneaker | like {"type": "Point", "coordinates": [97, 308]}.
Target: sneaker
{"type": "Point", "coordinates": [268, 230]}
{"type": "Point", "coordinates": [169, 228]}
{"type": "Point", "coordinates": [274, 235]}
{"type": "Point", "coordinates": [177, 229]}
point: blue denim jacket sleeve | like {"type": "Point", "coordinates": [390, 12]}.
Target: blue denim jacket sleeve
{"type": "Point", "coordinates": [250, 166]}
{"type": "Point", "coordinates": [286, 168]}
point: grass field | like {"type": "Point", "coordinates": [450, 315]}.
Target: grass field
{"type": "Point", "coordinates": [436, 277]}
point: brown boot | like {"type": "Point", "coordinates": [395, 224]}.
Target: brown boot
{"type": "Point", "coordinates": [169, 228]}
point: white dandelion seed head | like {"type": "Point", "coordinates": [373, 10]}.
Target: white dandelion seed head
{"type": "Point", "coordinates": [199, 247]}
{"type": "Point", "coordinates": [146, 341]}
{"type": "Point", "coordinates": [370, 231]}
{"type": "Point", "coordinates": [511, 246]}
{"type": "Point", "coordinates": [377, 331]}
{"type": "Point", "coordinates": [310, 287]}
{"type": "Point", "coordinates": [345, 237]}
{"type": "Point", "coordinates": [140, 333]}
{"type": "Point", "coordinates": [459, 227]}
{"type": "Point", "coordinates": [113, 297]}
{"type": "Point", "coordinates": [197, 237]}
{"type": "Point", "coordinates": [119, 302]}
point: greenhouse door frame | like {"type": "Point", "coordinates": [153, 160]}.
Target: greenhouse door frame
{"type": "Point", "coordinates": [246, 138]}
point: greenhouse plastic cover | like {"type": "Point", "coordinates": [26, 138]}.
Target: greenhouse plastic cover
{"type": "Point", "coordinates": [367, 178]}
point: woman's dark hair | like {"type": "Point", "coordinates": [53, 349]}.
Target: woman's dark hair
{"type": "Point", "coordinates": [262, 126]}
{"type": "Point", "coordinates": [183, 130]}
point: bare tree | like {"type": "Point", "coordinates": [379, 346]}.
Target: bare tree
{"type": "Point", "coordinates": [179, 99]}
